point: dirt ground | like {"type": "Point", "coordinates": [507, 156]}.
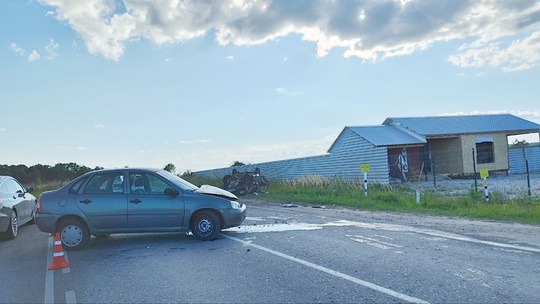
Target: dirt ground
{"type": "Point", "coordinates": [511, 186]}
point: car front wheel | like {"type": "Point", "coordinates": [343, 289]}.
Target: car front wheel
{"type": "Point", "coordinates": [73, 234]}
{"type": "Point", "coordinates": [205, 226]}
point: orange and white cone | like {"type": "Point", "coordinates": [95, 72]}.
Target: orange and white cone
{"type": "Point", "coordinates": [58, 255]}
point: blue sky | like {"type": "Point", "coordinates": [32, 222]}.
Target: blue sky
{"type": "Point", "coordinates": [201, 84]}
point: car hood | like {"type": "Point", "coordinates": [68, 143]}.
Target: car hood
{"type": "Point", "coordinates": [211, 190]}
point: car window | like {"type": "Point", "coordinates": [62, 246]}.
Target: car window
{"type": "Point", "coordinates": [4, 188]}
{"type": "Point", "coordinates": [142, 183]}
{"type": "Point", "coordinates": [75, 188]}
{"type": "Point", "coordinates": [184, 184]}
{"type": "Point", "coordinates": [118, 184]}
{"type": "Point", "coordinates": [157, 186]}
{"type": "Point", "coordinates": [107, 183]}
{"type": "Point", "coordinates": [13, 186]}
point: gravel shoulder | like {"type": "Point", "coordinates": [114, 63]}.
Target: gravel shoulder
{"type": "Point", "coordinates": [510, 186]}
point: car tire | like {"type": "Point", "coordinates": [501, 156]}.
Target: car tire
{"type": "Point", "coordinates": [73, 234]}
{"type": "Point", "coordinates": [205, 225]}
{"type": "Point", "coordinates": [13, 227]}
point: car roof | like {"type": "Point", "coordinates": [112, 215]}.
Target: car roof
{"type": "Point", "coordinates": [128, 169]}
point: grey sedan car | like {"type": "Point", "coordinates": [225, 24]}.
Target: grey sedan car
{"type": "Point", "coordinates": [17, 206]}
{"type": "Point", "coordinates": [135, 200]}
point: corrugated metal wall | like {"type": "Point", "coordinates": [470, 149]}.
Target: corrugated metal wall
{"type": "Point", "coordinates": [348, 152]}
{"type": "Point", "coordinates": [517, 162]}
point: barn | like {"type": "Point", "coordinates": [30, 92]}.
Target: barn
{"type": "Point", "coordinates": [406, 148]}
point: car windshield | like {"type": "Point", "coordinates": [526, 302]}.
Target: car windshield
{"type": "Point", "coordinates": [185, 185]}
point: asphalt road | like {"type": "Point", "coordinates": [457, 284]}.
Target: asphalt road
{"type": "Point", "coordinates": [288, 254]}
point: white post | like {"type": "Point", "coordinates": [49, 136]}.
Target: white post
{"type": "Point", "coordinates": [486, 192]}
{"type": "Point", "coordinates": [365, 184]}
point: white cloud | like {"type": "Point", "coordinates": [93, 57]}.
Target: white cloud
{"type": "Point", "coordinates": [197, 141]}
{"type": "Point", "coordinates": [51, 49]}
{"type": "Point", "coordinates": [519, 55]}
{"type": "Point", "coordinates": [282, 90]}
{"type": "Point", "coordinates": [99, 126]}
{"type": "Point", "coordinates": [34, 56]}
{"type": "Point", "coordinates": [371, 30]}
{"type": "Point", "coordinates": [3, 130]}
{"type": "Point", "coordinates": [230, 57]}
{"type": "Point", "coordinates": [17, 49]}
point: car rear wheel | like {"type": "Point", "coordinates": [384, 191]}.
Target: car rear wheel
{"type": "Point", "coordinates": [205, 226]}
{"type": "Point", "coordinates": [13, 227]}
{"type": "Point", "coordinates": [73, 234]}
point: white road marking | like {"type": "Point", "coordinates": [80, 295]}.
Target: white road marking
{"type": "Point", "coordinates": [274, 227]}
{"type": "Point", "coordinates": [435, 234]}
{"type": "Point", "coordinates": [373, 242]}
{"type": "Point", "coordinates": [49, 275]}
{"type": "Point", "coordinates": [400, 228]}
{"type": "Point", "coordinates": [70, 297]}
{"type": "Point", "coordinates": [395, 294]}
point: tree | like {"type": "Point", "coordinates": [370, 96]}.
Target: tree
{"type": "Point", "coordinates": [187, 173]}
{"type": "Point", "coordinates": [237, 163]}
{"type": "Point", "coordinates": [170, 167]}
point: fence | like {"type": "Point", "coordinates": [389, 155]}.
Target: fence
{"type": "Point", "coordinates": [517, 161]}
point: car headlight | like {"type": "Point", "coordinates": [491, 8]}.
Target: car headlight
{"type": "Point", "coordinates": [236, 205]}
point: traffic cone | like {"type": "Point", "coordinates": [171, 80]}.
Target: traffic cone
{"type": "Point", "coordinates": [58, 256]}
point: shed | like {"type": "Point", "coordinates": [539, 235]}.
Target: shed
{"type": "Point", "coordinates": [466, 144]}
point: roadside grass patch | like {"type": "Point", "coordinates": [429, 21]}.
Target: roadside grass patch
{"type": "Point", "coordinates": [316, 190]}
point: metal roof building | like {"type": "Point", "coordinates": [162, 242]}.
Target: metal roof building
{"type": "Point", "coordinates": [458, 125]}
{"type": "Point", "coordinates": [385, 135]}
{"type": "Point", "coordinates": [403, 148]}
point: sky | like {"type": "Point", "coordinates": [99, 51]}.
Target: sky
{"type": "Point", "coordinates": [201, 84]}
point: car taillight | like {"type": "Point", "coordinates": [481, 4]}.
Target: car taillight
{"type": "Point", "coordinates": [38, 205]}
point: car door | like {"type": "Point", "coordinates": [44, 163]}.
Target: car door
{"type": "Point", "coordinates": [21, 201]}
{"type": "Point", "coordinates": [103, 200]}
{"type": "Point", "coordinates": [149, 207]}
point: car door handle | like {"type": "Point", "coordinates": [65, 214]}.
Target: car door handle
{"type": "Point", "coordinates": [86, 201]}
{"type": "Point", "coordinates": [135, 201]}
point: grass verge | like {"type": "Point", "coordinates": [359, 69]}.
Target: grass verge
{"type": "Point", "coordinates": [334, 192]}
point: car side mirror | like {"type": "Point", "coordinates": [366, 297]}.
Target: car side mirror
{"type": "Point", "coordinates": [30, 190]}
{"type": "Point", "coordinates": [171, 192]}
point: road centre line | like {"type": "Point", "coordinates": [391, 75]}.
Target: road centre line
{"type": "Point", "coordinates": [338, 274]}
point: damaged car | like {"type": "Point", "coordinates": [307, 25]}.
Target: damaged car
{"type": "Point", "coordinates": [243, 183]}
{"type": "Point", "coordinates": [135, 200]}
